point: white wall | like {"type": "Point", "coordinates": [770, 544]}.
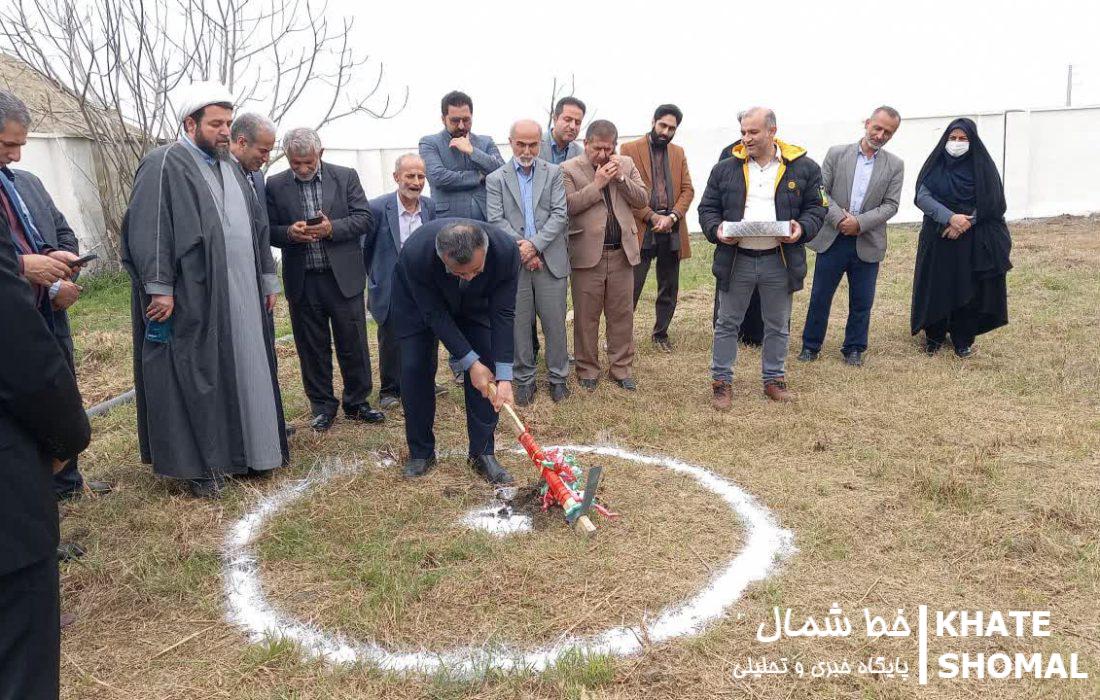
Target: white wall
{"type": "Point", "coordinates": [65, 166]}
{"type": "Point", "coordinates": [1047, 157]}
{"type": "Point", "coordinates": [1029, 148]}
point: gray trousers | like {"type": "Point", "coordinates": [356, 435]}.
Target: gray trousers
{"type": "Point", "coordinates": [767, 274]}
{"type": "Point", "coordinates": [543, 295]}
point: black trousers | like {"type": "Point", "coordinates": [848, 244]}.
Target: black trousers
{"type": "Point", "coordinates": [959, 324]}
{"type": "Point", "coordinates": [668, 280]}
{"type": "Point", "coordinates": [30, 633]}
{"type": "Point", "coordinates": [323, 314]}
{"type": "Point", "coordinates": [389, 361]}
{"type": "Point", "coordinates": [419, 359]}
{"type": "Point", "coordinates": [68, 480]}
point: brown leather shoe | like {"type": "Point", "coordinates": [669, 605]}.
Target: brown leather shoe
{"type": "Point", "coordinates": [723, 395]}
{"type": "Point", "coordinates": [776, 390]}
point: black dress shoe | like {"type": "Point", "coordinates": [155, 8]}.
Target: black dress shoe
{"type": "Point", "coordinates": [807, 355]}
{"type": "Point", "coordinates": [853, 358]}
{"type": "Point", "coordinates": [663, 344]}
{"type": "Point", "coordinates": [387, 402]}
{"type": "Point", "coordinates": [211, 488]}
{"type": "Point", "coordinates": [559, 392]}
{"type": "Point", "coordinates": [589, 384]}
{"type": "Point", "coordinates": [965, 352]}
{"type": "Point", "coordinates": [931, 347]}
{"type": "Point", "coordinates": [98, 488]}
{"type": "Point", "coordinates": [489, 469]}
{"type": "Point", "coordinates": [417, 467]}
{"type": "Point", "coordinates": [322, 422]}
{"type": "Point", "coordinates": [69, 551]}
{"type": "Point", "coordinates": [441, 389]}
{"type": "Point", "coordinates": [627, 383]}
{"type": "Point", "coordinates": [363, 412]}
{"type": "Point", "coordinates": [523, 394]}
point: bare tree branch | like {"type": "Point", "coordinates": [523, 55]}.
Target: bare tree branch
{"type": "Point", "coordinates": [118, 63]}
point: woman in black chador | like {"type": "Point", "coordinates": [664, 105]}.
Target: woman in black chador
{"type": "Point", "coordinates": [963, 252]}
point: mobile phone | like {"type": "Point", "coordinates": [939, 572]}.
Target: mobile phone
{"type": "Point", "coordinates": [84, 260]}
{"type": "Point", "coordinates": [315, 221]}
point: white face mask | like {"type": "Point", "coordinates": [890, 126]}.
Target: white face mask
{"type": "Point", "coordinates": [957, 148]}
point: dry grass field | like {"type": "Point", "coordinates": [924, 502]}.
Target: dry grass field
{"type": "Point", "coordinates": [914, 480]}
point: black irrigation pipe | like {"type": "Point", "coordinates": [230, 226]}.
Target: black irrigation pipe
{"type": "Point", "coordinates": [101, 408]}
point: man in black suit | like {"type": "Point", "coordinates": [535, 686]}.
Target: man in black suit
{"type": "Point", "coordinates": [251, 139]}
{"type": "Point", "coordinates": [55, 230]}
{"type": "Point", "coordinates": [456, 281]}
{"type": "Point", "coordinates": [318, 215]}
{"type": "Point", "coordinates": [42, 423]}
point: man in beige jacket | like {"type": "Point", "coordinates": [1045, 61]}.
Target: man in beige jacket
{"type": "Point", "coordinates": [601, 188]}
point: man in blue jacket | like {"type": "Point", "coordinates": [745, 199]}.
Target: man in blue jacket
{"type": "Point", "coordinates": [456, 281]}
{"type": "Point", "coordinates": [765, 181]}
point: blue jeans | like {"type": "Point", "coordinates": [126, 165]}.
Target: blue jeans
{"type": "Point", "coordinates": [832, 265]}
{"type": "Point", "coordinates": [767, 274]}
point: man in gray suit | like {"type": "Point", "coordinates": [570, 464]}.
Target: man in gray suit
{"type": "Point", "coordinates": [458, 161]}
{"type": "Point", "coordinates": [560, 143]}
{"type": "Point", "coordinates": [863, 183]}
{"type": "Point", "coordinates": [526, 199]}
{"type": "Point", "coordinates": [398, 215]}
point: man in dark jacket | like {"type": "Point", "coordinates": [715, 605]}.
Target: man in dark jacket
{"type": "Point", "coordinates": [55, 230]}
{"type": "Point", "coordinates": [42, 423]}
{"type": "Point", "coordinates": [319, 215]}
{"type": "Point", "coordinates": [766, 182]}
{"type": "Point", "coordinates": [456, 281]}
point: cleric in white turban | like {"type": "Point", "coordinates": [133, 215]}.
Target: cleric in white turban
{"type": "Point", "coordinates": [198, 95]}
{"type": "Point", "coordinates": [196, 247]}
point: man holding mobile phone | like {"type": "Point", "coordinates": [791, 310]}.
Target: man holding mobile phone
{"type": "Point", "coordinates": [319, 213]}
{"type": "Point", "coordinates": [50, 261]}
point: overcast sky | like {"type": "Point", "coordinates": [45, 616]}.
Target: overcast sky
{"type": "Point", "coordinates": [827, 60]}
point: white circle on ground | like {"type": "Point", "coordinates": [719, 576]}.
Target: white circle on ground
{"type": "Point", "coordinates": [766, 544]}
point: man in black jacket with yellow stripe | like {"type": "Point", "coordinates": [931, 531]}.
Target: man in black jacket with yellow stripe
{"type": "Point", "coordinates": [42, 424]}
{"type": "Point", "coordinates": [766, 180]}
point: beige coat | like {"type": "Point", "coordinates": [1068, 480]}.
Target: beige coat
{"type": "Point", "coordinates": [588, 213]}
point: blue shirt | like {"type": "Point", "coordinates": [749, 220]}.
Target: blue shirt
{"type": "Point", "coordinates": [557, 155]}
{"type": "Point", "coordinates": [861, 179]}
{"type": "Point", "coordinates": [527, 194]}
{"type": "Point", "coordinates": [210, 160]}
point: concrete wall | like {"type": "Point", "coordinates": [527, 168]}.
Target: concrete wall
{"type": "Point", "coordinates": [65, 166]}
{"type": "Point", "coordinates": [1031, 148]}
